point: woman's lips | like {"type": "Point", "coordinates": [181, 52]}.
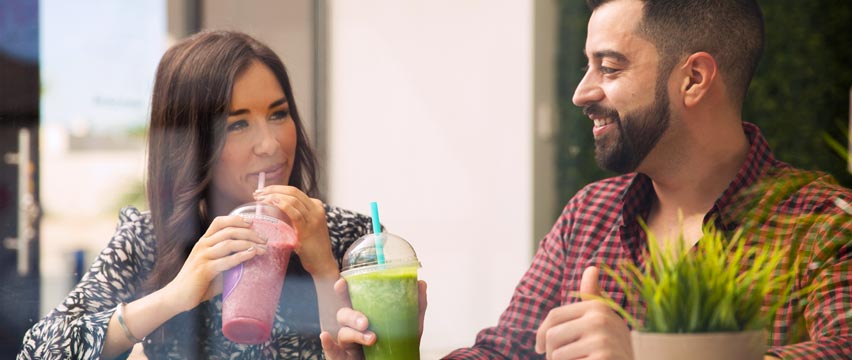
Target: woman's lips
{"type": "Point", "coordinates": [273, 175]}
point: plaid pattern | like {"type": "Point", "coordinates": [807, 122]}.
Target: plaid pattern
{"type": "Point", "coordinates": [598, 227]}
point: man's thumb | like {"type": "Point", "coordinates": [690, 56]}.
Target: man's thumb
{"type": "Point", "coordinates": [589, 282]}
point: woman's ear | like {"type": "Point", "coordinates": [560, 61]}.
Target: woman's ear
{"type": "Point", "coordinates": [699, 72]}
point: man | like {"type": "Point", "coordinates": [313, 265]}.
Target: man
{"type": "Point", "coordinates": [664, 87]}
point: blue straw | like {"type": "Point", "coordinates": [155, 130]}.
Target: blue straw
{"type": "Point", "coordinates": [377, 231]}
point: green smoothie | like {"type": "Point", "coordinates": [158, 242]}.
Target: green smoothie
{"type": "Point", "coordinates": [389, 300]}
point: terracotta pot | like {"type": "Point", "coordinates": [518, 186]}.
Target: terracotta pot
{"type": "Point", "coordinates": [748, 345]}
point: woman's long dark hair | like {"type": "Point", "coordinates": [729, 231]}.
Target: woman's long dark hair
{"type": "Point", "coordinates": [189, 107]}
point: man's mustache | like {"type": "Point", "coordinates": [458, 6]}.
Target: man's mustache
{"type": "Point", "coordinates": [595, 110]}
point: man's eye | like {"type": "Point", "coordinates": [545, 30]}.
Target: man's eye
{"type": "Point", "coordinates": [607, 70]}
{"type": "Point", "coordinates": [237, 125]}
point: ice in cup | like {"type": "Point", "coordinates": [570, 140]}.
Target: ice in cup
{"type": "Point", "coordinates": [251, 290]}
{"type": "Point", "coordinates": [386, 293]}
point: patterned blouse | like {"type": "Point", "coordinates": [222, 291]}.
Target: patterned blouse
{"type": "Point", "coordinates": [77, 327]}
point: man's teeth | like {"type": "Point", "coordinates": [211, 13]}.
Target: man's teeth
{"type": "Point", "coordinates": [602, 122]}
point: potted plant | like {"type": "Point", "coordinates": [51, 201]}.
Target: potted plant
{"type": "Point", "coordinates": [717, 299]}
{"type": "Point", "coordinates": [714, 301]}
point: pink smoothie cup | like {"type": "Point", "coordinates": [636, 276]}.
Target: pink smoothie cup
{"type": "Point", "coordinates": [252, 289]}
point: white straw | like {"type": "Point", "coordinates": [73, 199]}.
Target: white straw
{"type": "Point", "coordinates": [261, 182]}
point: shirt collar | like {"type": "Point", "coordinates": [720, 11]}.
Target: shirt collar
{"type": "Point", "coordinates": [637, 198]}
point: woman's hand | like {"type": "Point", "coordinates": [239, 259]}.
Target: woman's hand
{"type": "Point", "coordinates": [354, 325]}
{"type": "Point", "coordinates": [307, 216]}
{"type": "Point", "coordinates": [228, 242]}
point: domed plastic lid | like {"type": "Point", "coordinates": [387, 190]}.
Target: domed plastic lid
{"type": "Point", "coordinates": [260, 209]}
{"type": "Point", "coordinates": [362, 256]}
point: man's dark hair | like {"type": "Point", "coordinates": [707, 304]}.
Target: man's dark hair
{"type": "Point", "coordinates": [729, 30]}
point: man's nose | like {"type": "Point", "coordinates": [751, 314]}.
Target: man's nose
{"type": "Point", "coordinates": [587, 91]}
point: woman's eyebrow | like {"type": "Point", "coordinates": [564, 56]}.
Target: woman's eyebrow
{"type": "Point", "coordinates": [274, 104]}
{"type": "Point", "coordinates": [278, 102]}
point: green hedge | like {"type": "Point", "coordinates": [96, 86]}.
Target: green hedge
{"type": "Point", "coordinates": [800, 91]}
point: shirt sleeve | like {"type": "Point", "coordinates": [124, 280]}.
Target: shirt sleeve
{"type": "Point", "coordinates": [77, 327]}
{"type": "Point", "coordinates": [535, 295]}
{"type": "Point", "coordinates": [828, 309]}
{"type": "Point", "coordinates": [344, 227]}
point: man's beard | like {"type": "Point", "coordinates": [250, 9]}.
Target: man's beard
{"type": "Point", "coordinates": [624, 149]}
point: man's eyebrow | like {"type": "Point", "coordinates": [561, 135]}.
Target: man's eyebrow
{"type": "Point", "coordinates": [274, 104]}
{"type": "Point", "coordinates": [610, 54]}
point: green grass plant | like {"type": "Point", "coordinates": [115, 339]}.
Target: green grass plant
{"type": "Point", "coordinates": [720, 285]}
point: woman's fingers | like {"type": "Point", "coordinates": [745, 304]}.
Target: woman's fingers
{"type": "Point", "coordinates": [296, 210]}
{"type": "Point", "coordinates": [221, 222]}
{"type": "Point", "coordinates": [292, 201]}
{"type": "Point", "coordinates": [231, 233]}
{"type": "Point", "coordinates": [224, 263]}
{"type": "Point", "coordinates": [284, 190]}
{"type": "Point", "coordinates": [228, 247]}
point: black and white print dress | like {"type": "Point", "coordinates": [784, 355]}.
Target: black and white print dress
{"type": "Point", "coordinates": [76, 329]}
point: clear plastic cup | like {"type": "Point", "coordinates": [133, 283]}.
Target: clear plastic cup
{"type": "Point", "coordinates": [251, 290]}
{"type": "Point", "coordinates": [387, 294]}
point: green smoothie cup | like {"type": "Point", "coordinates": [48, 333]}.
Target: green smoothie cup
{"type": "Point", "coordinates": [386, 292]}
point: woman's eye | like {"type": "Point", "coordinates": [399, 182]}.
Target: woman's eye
{"type": "Point", "coordinates": [280, 115]}
{"type": "Point", "coordinates": [237, 125]}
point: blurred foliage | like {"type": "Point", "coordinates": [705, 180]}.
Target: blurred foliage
{"type": "Point", "coordinates": [575, 148]}
{"type": "Point", "coordinates": [134, 195]}
{"type": "Point", "coordinates": [801, 89]}
{"type": "Point", "coordinates": [799, 95]}
{"type": "Point", "coordinates": [138, 131]}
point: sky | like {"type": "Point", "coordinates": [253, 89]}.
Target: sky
{"type": "Point", "coordinates": [98, 59]}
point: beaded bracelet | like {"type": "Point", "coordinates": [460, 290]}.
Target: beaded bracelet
{"type": "Point", "coordinates": [120, 311]}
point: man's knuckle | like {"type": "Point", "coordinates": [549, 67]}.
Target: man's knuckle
{"type": "Point", "coordinates": [596, 319]}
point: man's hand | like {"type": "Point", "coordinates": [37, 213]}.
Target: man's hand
{"type": "Point", "coordinates": [587, 329]}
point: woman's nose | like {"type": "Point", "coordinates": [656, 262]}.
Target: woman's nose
{"type": "Point", "coordinates": [266, 142]}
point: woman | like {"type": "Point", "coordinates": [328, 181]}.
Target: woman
{"type": "Point", "coordinates": [222, 112]}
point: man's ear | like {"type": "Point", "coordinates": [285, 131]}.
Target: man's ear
{"type": "Point", "coordinates": [698, 73]}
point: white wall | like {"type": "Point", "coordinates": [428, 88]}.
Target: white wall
{"type": "Point", "coordinates": [287, 27]}
{"type": "Point", "coordinates": [430, 114]}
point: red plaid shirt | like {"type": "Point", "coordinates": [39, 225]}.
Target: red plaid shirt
{"type": "Point", "coordinates": [598, 227]}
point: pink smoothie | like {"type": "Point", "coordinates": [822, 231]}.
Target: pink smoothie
{"type": "Point", "coordinates": [251, 290]}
